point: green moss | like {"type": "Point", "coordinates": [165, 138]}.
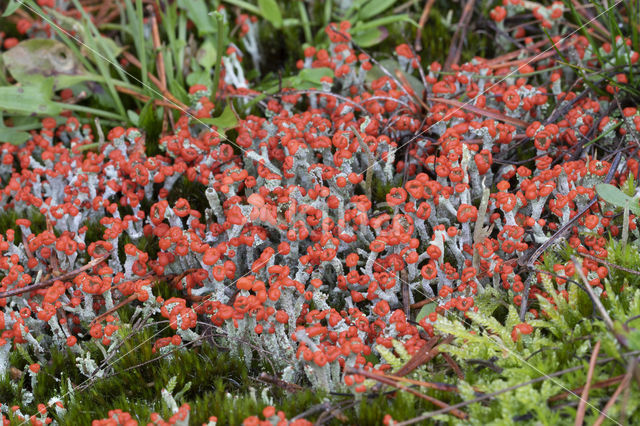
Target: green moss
{"type": "Point", "coordinates": [381, 189]}
{"type": "Point", "coordinates": [563, 338]}
{"type": "Point", "coordinates": [211, 381]}
{"type": "Point", "coordinates": [193, 192]}
{"type": "Point", "coordinates": [282, 44]}
{"type": "Point", "coordinates": [626, 256]}
{"type": "Point", "coordinates": [11, 390]}
{"type": "Point", "coordinates": [137, 378]}
{"type": "Point", "coordinates": [95, 232]}
{"type": "Point", "coordinates": [8, 221]}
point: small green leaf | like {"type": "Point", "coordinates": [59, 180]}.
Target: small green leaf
{"type": "Point", "coordinates": [224, 121]}
{"type": "Point", "coordinates": [426, 310]}
{"type": "Point", "coordinates": [314, 75]}
{"type": "Point", "coordinates": [387, 20]}
{"type": "Point", "coordinates": [612, 195]}
{"type": "Point", "coordinates": [200, 77]}
{"type": "Point", "coordinates": [369, 37]}
{"type": "Point", "coordinates": [33, 59]}
{"type": "Point", "coordinates": [32, 99]}
{"type": "Point", "coordinates": [244, 5]}
{"type": "Point", "coordinates": [11, 7]}
{"type": "Point", "coordinates": [133, 117]}
{"type": "Point", "coordinates": [198, 12]}
{"type": "Point", "coordinates": [374, 8]}
{"type": "Point", "coordinates": [14, 137]}
{"type": "Point", "coordinates": [616, 197]}
{"type": "Point", "coordinates": [206, 55]}
{"type": "Point", "coordinates": [270, 10]}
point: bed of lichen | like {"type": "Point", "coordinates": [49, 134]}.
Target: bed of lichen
{"type": "Point", "coordinates": [290, 212]}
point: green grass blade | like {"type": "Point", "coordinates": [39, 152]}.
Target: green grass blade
{"type": "Point", "coordinates": [88, 110]}
{"type": "Point", "coordinates": [104, 58]}
{"type": "Point", "coordinates": [306, 26]}
{"type": "Point", "coordinates": [327, 12]}
{"type": "Point", "coordinates": [219, 51]}
{"type": "Point", "coordinates": [99, 43]}
{"type": "Point", "coordinates": [173, 66]}
{"type": "Point", "coordinates": [246, 6]}
{"type": "Point", "coordinates": [182, 36]}
{"type": "Point", "coordinates": [583, 29]}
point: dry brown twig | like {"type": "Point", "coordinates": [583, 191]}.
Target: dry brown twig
{"type": "Point", "coordinates": [132, 59]}
{"type": "Point", "coordinates": [145, 98]}
{"type": "Point", "coordinates": [430, 385]}
{"type": "Point", "coordinates": [423, 20]}
{"type": "Point", "coordinates": [601, 384]}
{"type": "Point", "coordinates": [64, 277]}
{"type": "Point", "coordinates": [289, 387]}
{"type": "Point", "coordinates": [425, 354]}
{"type": "Point", "coordinates": [582, 406]}
{"type": "Point", "coordinates": [454, 365]}
{"type": "Point", "coordinates": [609, 264]}
{"type": "Point", "coordinates": [421, 303]}
{"type": "Point", "coordinates": [481, 111]}
{"type": "Point", "coordinates": [514, 54]}
{"type": "Point", "coordinates": [455, 49]}
{"type": "Point", "coordinates": [623, 385]}
{"type": "Point", "coordinates": [384, 380]}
